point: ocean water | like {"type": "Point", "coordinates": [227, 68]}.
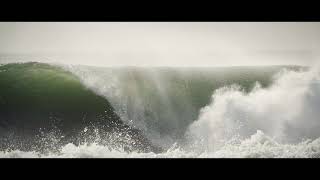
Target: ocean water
{"type": "Point", "coordinates": [74, 111]}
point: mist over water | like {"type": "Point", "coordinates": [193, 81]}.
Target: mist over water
{"type": "Point", "coordinates": [163, 102]}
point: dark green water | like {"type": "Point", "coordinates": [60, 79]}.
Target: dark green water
{"type": "Point", "coordinates": [36, 96]}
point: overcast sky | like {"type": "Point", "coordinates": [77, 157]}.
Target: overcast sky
{"type": "Point", "coordinates": [162, 43]}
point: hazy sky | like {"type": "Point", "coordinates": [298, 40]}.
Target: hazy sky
{"type": "Point", "coordinates": [161, 43]}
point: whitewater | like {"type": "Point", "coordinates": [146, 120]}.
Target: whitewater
{"type": "Point", "coordinates": [276, 121]}
{"type": "Point", "coordinates": [257, 146]}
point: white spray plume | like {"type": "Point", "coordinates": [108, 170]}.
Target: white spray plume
{"type": "Point", "coordinates": [287, 111]}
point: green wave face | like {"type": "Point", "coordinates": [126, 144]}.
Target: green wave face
{"type": "Point", "coordinates": [36, 96]}
{"type": "Point", "coordinates": [33, 88]}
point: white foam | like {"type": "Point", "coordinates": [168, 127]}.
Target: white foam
{"type": "Point", "coordinates": [257, 146]}
{"type": "Point", "coordinates": [287, 111]}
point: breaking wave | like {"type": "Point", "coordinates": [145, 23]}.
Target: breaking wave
{"type": "Point", "coordinates": [170, 112]}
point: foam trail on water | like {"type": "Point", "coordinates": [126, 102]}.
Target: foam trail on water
{"type": "Point", "coordinates": [257, 146]}
{"type": "Point", "coordinates": [287, 112]}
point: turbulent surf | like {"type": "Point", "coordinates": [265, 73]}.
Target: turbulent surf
{"type": "Point", "coordinates": [55, 110]}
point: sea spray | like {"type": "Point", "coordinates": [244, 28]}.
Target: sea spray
{"type": "Point", "coordinates": [163, 102]}
{"type": "Point", "coordinates": [287, 112]}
